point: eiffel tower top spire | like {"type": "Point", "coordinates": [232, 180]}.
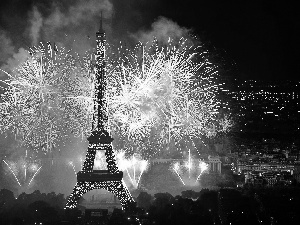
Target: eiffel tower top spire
{"type": "Point", "coordinates": [100, 116]}
{"type": "Point", "coordinates": [101, 25]}
{"type": "Point", "coordinates": [101, 81]}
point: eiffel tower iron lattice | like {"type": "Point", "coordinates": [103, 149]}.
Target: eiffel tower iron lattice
{"type": "Point", "coordinates": [100, 140]}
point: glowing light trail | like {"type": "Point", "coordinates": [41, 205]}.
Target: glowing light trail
{"type": "Point", "coordinates": [24, 169]}
{"type": "Point", "coordinates": [34, 175]}
{"type": "Point", "coordinates": [189, 170]}
{"type": "Point", "coordinates": [72, 165]}
{"type": "Point", "coordinates": [176, 169]}
{"type": "Point", "coordinates": [134, 166]}
{"type": "Point", "coordinates": [12, 172]}
{"type": "Point", "coordinates": [203, 166]}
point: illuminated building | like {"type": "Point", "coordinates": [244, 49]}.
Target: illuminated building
{"type": "Point", "coordinates": [100, 140]}
{"type": "Point", "coordinates": [214, 164]}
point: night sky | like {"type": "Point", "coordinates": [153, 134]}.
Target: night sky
{"type": "Point", "coordinates": [257, 37]}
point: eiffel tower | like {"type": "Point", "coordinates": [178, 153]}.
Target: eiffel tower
{"type": "Point", "coordinates": [100, 140]}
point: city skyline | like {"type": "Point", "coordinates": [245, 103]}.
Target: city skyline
{"type": "Point", "coordinates": [265, 109]}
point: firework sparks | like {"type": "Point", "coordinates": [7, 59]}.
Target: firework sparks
{"type": "Point", "coordinates": [34, 175]}
{"type": "Point", "coordinates": [24, 170]}
{"type": "Point", "coordinates": [203, 167]}
{"type": "Point", "coordinates": [76, 164]}
{"type": "Point", "coordinates": [70, 163]}
{"type": "Point", "coordinates": [164, 94]}
{"type": "Point", "coordinates": [155, 96]}
{"type": "Point", "coordinates": [34, 99]}
{"type": "Point", "coordinates": [13, 172]}
{"type": "Point", "coordinates": [190, 170]}
{"type": "Point", "coordinates": [176, 168]}
{"type": "Point", "coordinates": [134, 166]}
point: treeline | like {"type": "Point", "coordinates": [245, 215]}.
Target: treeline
{"type": "Point", "coordinates": [249, 205]}
{"type": "Point", "coordinates": [34, 208]}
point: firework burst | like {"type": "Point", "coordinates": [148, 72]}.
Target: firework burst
{"type": "Point", "coordinates": [76, 164]}
{"type": "Point", "coordinates": [156, 97]}
{"type": "Point", "coordinates": [37, 94]}
{"type": "Point", "coordinates": [189, 171]}
{"type": "Point", "coordinates": [134, 166]}
{"type": "Point", "coordinates": [163, 95]}
{"type": "Point", "coordinates": [23, 170]}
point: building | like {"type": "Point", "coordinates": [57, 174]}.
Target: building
{"type": "Point", "coordinates": [214, 163]}
{"type": "Point", "coordinates": [244, 167]}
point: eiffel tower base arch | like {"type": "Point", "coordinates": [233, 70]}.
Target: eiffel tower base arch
{"type": "Point", "coordinates": [115, 187]}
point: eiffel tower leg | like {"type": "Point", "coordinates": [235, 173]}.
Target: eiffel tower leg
{"type": "Point", "coordinates": [79, 190]}
{"type": "Point", "coordinates": [121, 192]}
{"type": "Point", "coordinates": [89, 159]}
{"type": "Point", "coordinates": [110, 159]}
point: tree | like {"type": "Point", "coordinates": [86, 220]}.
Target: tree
{"type": "Point", "coordinates": [6, 196]}
{"type": "Point", "coordinates": [144, 200]}
{"type": "Point", "coordinates": [190, 194]}
{"type": "Point", "coordinates": [162, 199]}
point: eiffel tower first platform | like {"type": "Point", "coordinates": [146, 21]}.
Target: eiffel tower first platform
{"type": "Point", "coordinates": [100, 140]}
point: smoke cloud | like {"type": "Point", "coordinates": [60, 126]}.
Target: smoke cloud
{"type": "Point", "coordinates": [17, 59]}
{"type": "Point", "coordinates": [8, 57]}
{"type": "Point", "coordinates": [6, 48]}
{"type": "Point", "coordinates": [70, 24]}
{"type": "Point", "coordinates": [162, 30]}
{"type": "Point", "coordinates": [36, 22]}
{"type": "Point", "coordinates": [73, 26]}
{"type": "Point", "coordinates": [80, 12]}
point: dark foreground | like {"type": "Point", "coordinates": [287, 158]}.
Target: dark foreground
{"type": "Point", "coordinates": [277, 205]}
